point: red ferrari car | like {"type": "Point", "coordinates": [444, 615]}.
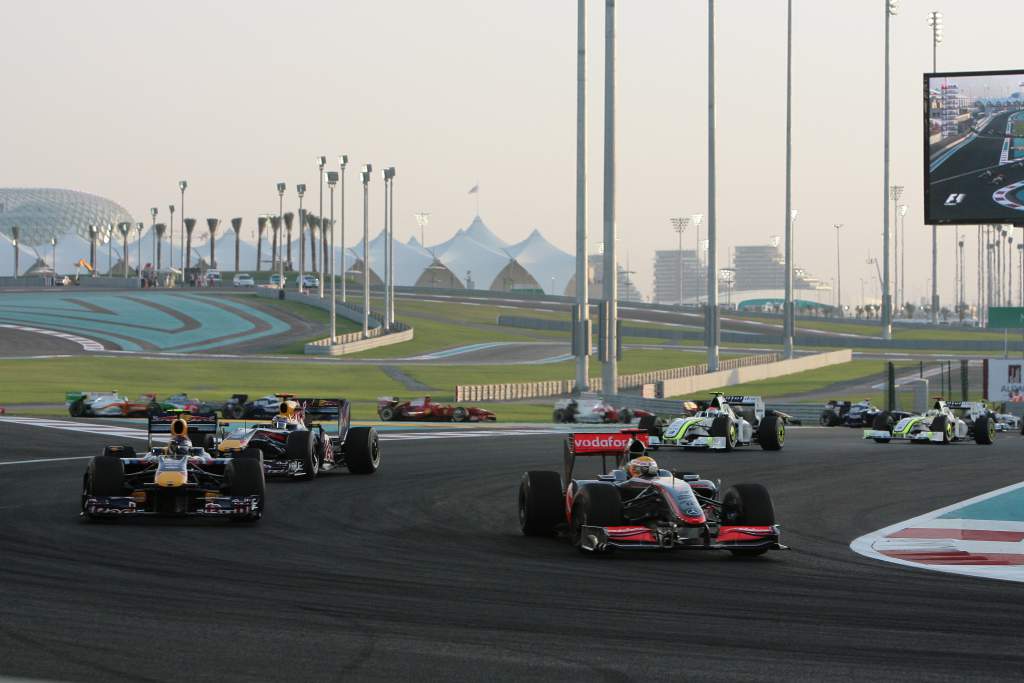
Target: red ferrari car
{"type": "Point", "coordinates": [391, 408]}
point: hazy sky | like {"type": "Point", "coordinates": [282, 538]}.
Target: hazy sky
{"type": "Point", "coordinates": [123, 98]}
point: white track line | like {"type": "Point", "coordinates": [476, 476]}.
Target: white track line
{"type": "Point", "coordinates": [86, 343]}
{"type": "Point", "coordinates": [29, 462]}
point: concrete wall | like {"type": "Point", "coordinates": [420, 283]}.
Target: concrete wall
{"type": "Point", "coordinates": [353, 343]}
{"type": "Point", "coordinates": [687, 386]}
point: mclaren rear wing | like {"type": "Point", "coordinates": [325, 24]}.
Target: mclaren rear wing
{"type": "Point", "coordinates": [198, 426]}
{"type": "Point", "coordinates": [603, 444]}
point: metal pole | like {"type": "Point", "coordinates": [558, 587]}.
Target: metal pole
{"type": "Point", "coordinates": [391, 248]}
{"type": "Point", "coordinates": [935, 233]}
{"type": "Point", "coordinates": [280, 236]}
{"type": "Point", "coordinates": [610, 371]}
{"type": "Point", "coordinates": [582, 267]}
{"type": "Point", "coordinates": [790, 318]}
{"type": "Point", "coordinates": [839, 274]}
{"type": "Point", "coordinates": [321, 162]}
{"type": "Point", "coordinates": [712, 259]}
{"type": "Point", "coordinates": [302, 242]}
{"type": "Point", "coordinates": [170, 238]}
{"type": "Point", "coordinates": [367, 170]}
{"type": "Point", "coordinates": [334, 297]}
{"type": "Point", "coordinates": [886, 298]}
{"type": "Point", "coordinates": [344, 294]}
{"type": "Point", "coordinates": [387, 258]}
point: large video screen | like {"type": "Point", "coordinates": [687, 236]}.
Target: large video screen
{"type": "Point", "coordinates": [974, 147]}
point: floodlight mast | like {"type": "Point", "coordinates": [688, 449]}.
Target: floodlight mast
{"type": "Point", "coordinates": [935, 22]}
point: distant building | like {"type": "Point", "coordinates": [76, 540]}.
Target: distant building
{"type": "Point", "coordinates": [761, 267]}
{"type": "Point", "coordinates": [667, 273]}
{"type": "Point", "coordinates": [627, 288]}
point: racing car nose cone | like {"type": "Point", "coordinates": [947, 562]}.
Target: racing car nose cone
{"type": "Point", "coordinates": [171, 479]}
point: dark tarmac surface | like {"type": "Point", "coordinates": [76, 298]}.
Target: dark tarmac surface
{"type": "Point", "coordinates": [419, 572]}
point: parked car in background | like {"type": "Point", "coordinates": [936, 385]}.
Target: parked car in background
{"type": "Point", "coordinates": [213, 278]}
{"type": "Point", "coordinates": [243, 280]}
{"type": "Point", "coordinates": [275, 279]}
{"type": "Point", "coordinates": [308, 281]}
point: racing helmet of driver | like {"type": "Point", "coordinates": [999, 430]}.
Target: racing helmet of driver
{"type": "Point", "coordinates": [284, 422]}
{"type": "Point", "coordinates": [642, 466]}
{"type": "Point", "coordinates": [179, 445]}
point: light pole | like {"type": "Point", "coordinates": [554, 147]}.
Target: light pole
{"type": "Point", "coordinates": [301, 190]}
{"type": "Point", "coordinates": [332, 180]}
{"type": "Point", "coordinates": [170, 208]}
{"type": "Point", "coordinates": [788, 333]}
{"type": "Point", "coordinates": [342, 164]}
{"type": "Point", "coordinates": [53, 243]}
{"type": "Point", "coordinates": [891, 7]}
{"type": "Point", "coordinates": [1009, 270]}
{"type": "Point", "coordinates": [582, 350]}
{"type": "Point", "coordinates": [364, 175]}
{"type": "Point", "coordinates": [280, 217]}
{"type": "Point", "coordinates": [391, 247]}
{"type": "Point", "coordinates": [1020, 292]}
{"type": "Point", "coordinates": [321, 163]}
{"type": "Point", "coordinates": [788, 307]}
{"type": "Point", "coordinates": [895, 192]}
{"type": "Point", "coordinates": [679, 225]}
{"type": "Point", "coordinates": [935, 22]}
{"type": "Point", "coordinates": [387, 174]}
{"type": "Point", "coordinates": [124, 229]}
{"type": "Point", "coordinates": [182, 184]}
{"type": "Point", "coordinates": [697, 219]}
{"type": "Point", "coordinates": [152, 212]}
{"type": "Point", "coordinates": [839, 275]}
{"type": "Point", "coordinates": [960, 280]}
{"type": "Point", "coordinates": [610, 371]}
{"type": "Point", "coordinates": [712, 258]}
{"type": "Point", "coordinates": [901, 286]}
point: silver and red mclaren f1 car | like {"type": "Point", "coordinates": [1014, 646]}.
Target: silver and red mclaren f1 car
{"type": "Point", "coordinates": [660, 510]}
{"type": "Point", "coordinates": [176, 480]}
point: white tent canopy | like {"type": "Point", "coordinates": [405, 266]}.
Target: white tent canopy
{"type": "Point", "coordinates": [551, 267]}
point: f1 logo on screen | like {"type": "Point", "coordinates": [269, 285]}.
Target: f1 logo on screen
{"type": "Point", "coordinates": [955, 199]}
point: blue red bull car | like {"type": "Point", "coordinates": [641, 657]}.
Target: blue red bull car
{"type": "Point", "coordinates": [661, 510]}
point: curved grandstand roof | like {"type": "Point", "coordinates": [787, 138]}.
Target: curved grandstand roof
{"type": "Point", "coordinates": [45, 213]}
{"type": "Point", "coordinates": [551, 267]}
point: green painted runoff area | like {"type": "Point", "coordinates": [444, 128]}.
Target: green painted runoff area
{"type": "Point", "coordinates": [1008, 507]}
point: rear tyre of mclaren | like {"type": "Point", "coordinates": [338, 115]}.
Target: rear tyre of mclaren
{"type": "Point", "coordinates": [541, 503]}
{"type": "Point", "coordinates": [984, 430]}
{"type": "Point", "coordinates": [362, 450]}
{"type": "Point", "coordinates": [244, 477]}
{"type": "Point", "coordinates": [300, 446]}
{"type": "Point", "coordinates": [748, 504]}
{"type": "Point", "coordinates": [595, 505]}
{"type": "Point", "coordinates": [771, 433]}
{"type": "Point", "coordinates": [883, 421]}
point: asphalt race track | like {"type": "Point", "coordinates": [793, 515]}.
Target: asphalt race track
{"type": "Point", "coordinates": [419, 572]}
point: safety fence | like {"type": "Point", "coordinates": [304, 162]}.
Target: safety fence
{"type": "Point", "coordinates": [526, 390]}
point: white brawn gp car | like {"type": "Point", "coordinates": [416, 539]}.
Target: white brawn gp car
{"type": "Point", "coordinates": [944, 423]}
{"type": "Point", "coordinates": [723, 423]}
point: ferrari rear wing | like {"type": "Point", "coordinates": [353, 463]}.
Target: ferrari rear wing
{"type": "Point", "coordinates": [198, 426]}
{"type": "Point", "coordinates": [603, 444]}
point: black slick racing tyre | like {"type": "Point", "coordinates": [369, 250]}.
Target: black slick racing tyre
{"type": "Point", "coordinates": [723, 426]}
{"type": "Point", "coordinates": [541, 503]}
{"type": "Point", "coordinates": [77, 408]}
{"type": "Point", "coordinates": [460, 414]}
{"type": "Point", "coordinates": [597, 504]}
{"type": "Point", "coordinates": [300, 447]}
{"type": "Point", "coordinates": [106, 476]}
{"type": "Point", "coordinates": [229, 411]}
{"type": "Point", "coordinates": [825, 420]}
{"type": "Point", "coordinates": [882, 422]}
{"type": "Point", "coordinates": [984, 430]}
{"type": "Point", "coordinates": [558, 416]}
{"type": "Point", "coordinates": [748, 504]}
{"type": "Point", "coordinates": [942, 424]}
{"type": "Point", "coordinates": [771, 433]}
{"type": "Point", "coordinates": [387, 413]}
{"type": "Point", "coordinates": [650, 424]}
{"type": "Point", "coordinates": [362, 450]}
{"type": "Point", "coordinates": [244, 477]}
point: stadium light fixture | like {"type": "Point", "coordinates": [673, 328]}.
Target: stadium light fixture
{"type": "Point", "coordinates": [182, 185]}
{"type": "Point", "coordinates": [279, 236]}
{"type": "Point", "coordinates": [300, 189]}
{"type": "Point", "coordinates": [364, 176]}
{"type": "Point", "coordinates": [332, 180]}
